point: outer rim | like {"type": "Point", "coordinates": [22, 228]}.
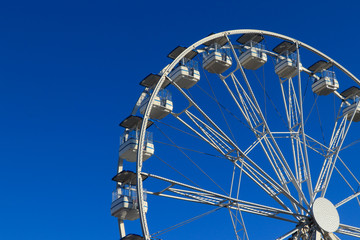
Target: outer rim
{"type": "Point", "coordinates": [167, 70]}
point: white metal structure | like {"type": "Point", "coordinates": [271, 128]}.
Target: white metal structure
{"type": "Point", "coordinates": [326, 215]}
{"type": "Point", "coordinates": [253, 57]}
{"type": "Point", "coordinates": [250, 142]}
{"type": "Point", "coordinates": [129, 144]}
{"type": "Point", "coordinates": [124, 203]}
{"type": "Point", "coordinates": [286, 61]}
{"type": "Point", "coordinates": [352, 111]}
{"type": "Point", "coordinates": [129, 140]}
{"type": "Point", "coordinates": [162, 106]}
{"type": "Point", "coordinates": [326, 84]}
{"type": "Point", "coordinates": [186, 74]}
{"type": "Point", "coordinates": [216, 60]}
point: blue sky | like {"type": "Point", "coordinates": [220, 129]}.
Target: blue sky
{"type": "Point", "coordinates": [70, 72]}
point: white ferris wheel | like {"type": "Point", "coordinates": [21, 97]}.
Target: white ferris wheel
{"type": "Point", "coordinates": [245, 134]}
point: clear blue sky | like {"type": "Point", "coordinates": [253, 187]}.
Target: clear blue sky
{"type": "Point", "coordinates": [70, 72]}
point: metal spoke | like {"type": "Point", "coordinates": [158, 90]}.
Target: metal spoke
{"type": "Point", "coordinates": [281, 173]}
{"type": "Point", "coordinates": [294, 114]}
{"type": "Point", "coordinates": [348, 199]}
{"type": "Point", "coordinates": [200, 195]}
{"type": "Point", "coordinates": [253, 171]}
{"type": "Point", "coordinates": [302, 126]}
{"type": "Point", "coordinates": [235, 219]}
{"type": "Point", "coordinates": [250, 109]}
{"type": "Point", "coordinates": [349, 230]}
{"type": "Point", "coordinates": [289, 233]}
{"type": "Point", "coordinates": [161, 232]}
{"type": "Point", "coordinates": [340, 132]}
{"type": "Point", "coordinates": [207, 133]}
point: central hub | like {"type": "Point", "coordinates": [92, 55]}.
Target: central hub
{"type": "Point", "coordinates": [325, 215]}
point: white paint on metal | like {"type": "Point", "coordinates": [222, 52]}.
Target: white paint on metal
{"type": "Point", "coordinates": [326, 215]}
{"type": "Point", "coordinates": [322, 216]}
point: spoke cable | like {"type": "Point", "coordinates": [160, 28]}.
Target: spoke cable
{"type": "Point", "coordinates": [178, 129]}
{"type": "Point", "coordinates": [306, 87]}
{"type": "Point", "coordinates": [271, 101]}
{"type": "Point", "coordinates": [342, 176]}
{"type": "Point", "coordinates": [263, 72]}
{"type": "Point", "coordinates": [351, 144]}
{"type": "Point", "coordinates": [173, 168]}
{"type": "Point", "coordinates": [161, 232]}
{"type": "Point", "coordinates": [226, 109]}
{"type": "Point", "coordinates": [189, 149]}
{"type": "Point", "coordinates": [321, 127]}
{"type": "Point", "coordinates": [222, 113]}
{"type": "Point", "coordinates": [312, 108]}
{"type": "Point", "coordinates": [234, 170]}
{"type": "Point", "coordinates": [352, 174]}
{"type": "Point", "coordinates": [192, 161]}
{"type": "Point", "coordinates": [231, 132]}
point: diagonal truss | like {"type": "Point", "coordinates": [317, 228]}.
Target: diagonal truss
{"type": "Point", "coordinates": [181, 191]}
{"type": "Point", "coordinates": [349, 230]}
{"type": "Point", "coordinates": [246, 102]}
{"type": "Point", "coordinates": [212, 134]}
{"type": "Point", "coordinates": [236, 216]}
{"type": "Point", "coordinates": [355, 195]}
{"type": "Point", "coordinates": [295, 122]}
{"type": "Point", "coordinates": [216, 138]}
{"type": "Point", "coordinates": [340, 130]}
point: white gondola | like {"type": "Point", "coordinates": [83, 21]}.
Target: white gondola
{"type": "Point", "coordinates": [254, 56]}
{"type": "Point", "coordinates": [326, 84]}
{"type": "Point", "coordinates": [125, 203]}
{"type": "Point", "coordinates": [349, 110]}
{"type": "Point", "coordinates": [286, 66]}
{"type": "Point", "coordinates": [162, 106]}
{"type": "Point", "coordinates": [216, 60]}
{"type": "Point", "coordinates": [129, 143]}
{"type": "Point", "coordinates": [352, 94]}
{"type": "Point", "coordinates": [186, 74]}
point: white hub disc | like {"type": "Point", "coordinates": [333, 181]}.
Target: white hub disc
{"type": "Point", "coordinates": [326, 215]}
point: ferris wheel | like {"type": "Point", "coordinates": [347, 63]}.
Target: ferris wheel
{"type": "Point", "coordinates": [245, 134]}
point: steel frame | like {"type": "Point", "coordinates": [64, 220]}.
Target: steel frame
{"type": "Point", "coordinates": [251, 111]}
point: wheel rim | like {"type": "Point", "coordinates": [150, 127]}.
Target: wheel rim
{"type": "Point", "coordinates": [305, 207]}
